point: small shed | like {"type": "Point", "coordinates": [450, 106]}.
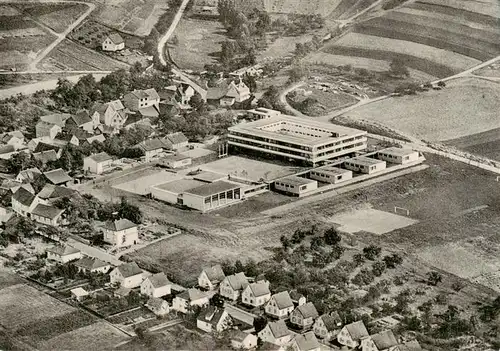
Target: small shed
{"type": "Point", "coordinates": [79, 294]}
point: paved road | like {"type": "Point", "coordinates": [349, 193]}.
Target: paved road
{"type": "Point", "coordinates": [184, 77]}
{"type": "Point", "coordinates": [163, 40]}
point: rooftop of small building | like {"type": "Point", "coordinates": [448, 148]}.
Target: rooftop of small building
{"type": "Point", "coordinates": [180, 185]}
{"type": "Point", "coordinates": [295, 180]}
{"type": "Point", "coordinates": [397, 151]}
{"type": "Point", "coordinates": [213, 188]}
{"type": "Point", "coordinates": [331, 170]}
{"type": "Point", "coordinates": [365, 161]}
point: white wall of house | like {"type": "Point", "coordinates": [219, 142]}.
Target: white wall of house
{"type": "Point", "coordinates": [344, 338]}
{"type": "Point", "coordinates": [225, 290]}
{"type": "Point", "coordinates": [164, 195]}
{"type": "Point", "coordinates": [266, 335]}
{"type": "Point", "coordinates": [129, 282]}
{"type": "Point", "coordinates": [63, 259]}
{"type": "Point", "coordinates": [179, 163]}
{"type": "Point", "coordinates": [108, 45]}
{"type": "Point", "coordinates": [148, 289]}
{"type": "Point", "coordinates": [273, 310]}
{"type": "Point", "coordinates": [296, 189]}
{"type": "Point", "coordinates": [204, 282]}
{"type": "Point", "coordinates": [248, 343]}
{"type": "Point", "coordinates": [48, 221]}
{"type": "Point", "coordinates": [249, 298]}
{"type": "Point", "coordinates": [398, 159]}
{"type": "Point", "coordinates": [95, 167]}
{"type": "Point", "coordinates": [121, 238]}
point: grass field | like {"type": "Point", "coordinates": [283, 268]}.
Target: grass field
{"type": "Point", "coordinates": [283, 46]}
{"type": "Point", "coordinates": [489, 8]}
{"type": "Point", "coordinates": [465, 107]}
{"type": "Point", "coordinates": [485, 144]}
{"type": "Point", "coordinates": [198, 42]}
{"type": "Point", "coordinates": [321, 7]}
{"type": "Point", "coordinates": [55, 16]}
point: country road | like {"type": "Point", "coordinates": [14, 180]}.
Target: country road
{"type": "Point", "coordinates": [163, 40]}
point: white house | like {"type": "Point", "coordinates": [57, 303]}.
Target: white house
{"type": "Point", "coordinates": [383, 341]}
{"type": "Point", "coordinates": [158, 306]}
{"type": "Point", "coordinates": [92, 265]}
{"type": "Point", "coordinates": [121, 233]}
{"type": "Point", "coordinates": [113, 42]}
{"type": "Point", "coordinates": [129, 275]}
{"type": "Point", "coordinates": [256, 294]}
{"type": "Point", "coordinates": [23, 202]}
{"type": "Point", "coordinates": [232, 285]}
{"type": "Point", "coordinates": [276, 333]}
{"type": "Point", "coordinates": [327, 326]}
{"type": "Point", "coordinates": [263, 113]}
{"type": "Point", "coordinates": [47, 130]}
{"type": "Point", "coordinates": [351, 334]}
{"type": "Point", "coordinates": [49, 215]}
{"type": "Point", "coordinates": [111, 114]}
{"type": "Point", "coordinates": [138, 100]}
{"type": "Point", "coordinates": [156, 285]}
{"type": "Point", "coordinates": [213, 319]}
{"type": "Point", "coordinates": [188, 298]}
{"type": "Point", "coordinates": [330, 174]}
{"type": "Point", "coordinates": [176, 141]}
{"type": "Point", "coordinates": [63, 254]}
{"type": "Point", "coordinates": [280, 305]}
{"type": "Point", "coordinates": [177, 161]}
{"type": "Point", "coordinates": [97, 163]}
{"type": "Point", "coordinates": [243, 341]}
{"type": "Point", "coordinates": [28, 175]}
{"type": "Point", "coordinates": [211, 277]}
{"type": "Point", "coordinates": [152, 148]}
{"type": "Point", "coordinates": [305, 342]}
{"type": "Point", "coordinates": [303, 316]}
{"type": "Point", "coordinates": [79, 294]}
{"type": "Point", "coordinates": [14, 138]}
{"type": "Point", "coordinates": [238, 91]}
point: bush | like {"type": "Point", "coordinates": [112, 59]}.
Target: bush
{"type": "Point", "coordinates": [393, 260]}
{"type": "Point", "coordinates": [332, 237]}
{"type": "Point", "coordinates": [364, 277]}
{"type": "Point", "coordinates": [372, 252]}
{"type": "Point", "coordinates": [378, 268]}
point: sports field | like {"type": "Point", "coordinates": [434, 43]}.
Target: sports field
{"type": "Point", "coordinates": [467, 106]}
{"type": "Point", "coordinates": [141, 183]}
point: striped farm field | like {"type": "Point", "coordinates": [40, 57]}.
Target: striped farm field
{"type": "Point", "coordinates": [432, 60]}
{"type": "Point", "coordinates": [489, 7]}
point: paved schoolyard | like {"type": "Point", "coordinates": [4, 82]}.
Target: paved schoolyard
{"type": "Point", "coordinates": [141, 185]}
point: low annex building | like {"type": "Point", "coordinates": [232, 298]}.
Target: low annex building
{"type": "Point", "coordinates": [263, 113]}
{"type": "Point", "coordinates": [365, 165]}
{"type": "Point", "coordinates": [97, 163]}
{"type": "Point", "coordinates": [398, 155]}
{"type": "Point", "coordinates": [295, 185]}
{"type": "Point", "coordinates": [63, 254]}
{"type": "Point", "coordinates": [158, 306]}
{"type": "Point", "coordinates": [330, 174]}
{"type": "Point", "coordinates": [120, 233]}
{"type": "Point", "coordinates": [212, 196]}
{"type": "Point", "coordinates": [46, 214]}
{"type": "Point", "coordinates": [129, 275]}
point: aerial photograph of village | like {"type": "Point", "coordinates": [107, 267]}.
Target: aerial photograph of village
{"type": "Point", "coordinates": [279, 175]}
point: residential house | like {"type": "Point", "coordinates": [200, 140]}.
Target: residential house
{"type": "Point", "coordinates": [328, 326]}
{"type": "Point", "coordinates": [280, 305]}
{"type": "Point", "coordinates": [23, 202]}
{"type": "Point", "coordinates": [111, 114]}
{"type": "Point", "coordinates": [297, 298]}
{"type": "Point", "coordinates": [50, 193]}
{"type": "Point", "coordinates": [58, 177]}
{"type": "Point", "coordinates": [121, 232]}
{"type": "Point", "coordinates": [216, 94]}
{"type": "Point", "coordinates": [213, 319]}
{"type": "Point", "coordinates": [138, 100]}
{"type": "Point", "coordinates": [183, 95]}
{"type": "Point", "coordinates": [97, 163]}
{"type": "Point", "coordinates": [351, 334]}
{"type": "Point", "coordinates": [242, 319]}
{"type": "Point", "coordinates": [81, 120]}
{"type": "Point", "coordinates": [211, 277]}
{"type": "Point", "coordinates": [77, 137]}
{"type": "Point", "coordinates": [14, 138]}
{"type": "Point", "coordinates": [383, 341]}
{"type": "Point", "coordinates": [122, 292]}
{"type": "Point", "coordinates": [113, 42]}
{"type": "Point", "coordinates": [152, 148]}
{"type": "Point", "coordinates": [99, 138]}
{"type": "Point", "coordinates": [79, 294]}
{"type": "Point", "coordinates": [305, 342]}
{"type": "Point", "coordinates": [6, 151]}
{"type": "Point", "coordinates": [243, 341]}
{"type": "Point", "coordinates": [47, 214]}
{"type": "Point", "coordinates": [63, 254]}
{"type": "Point", "coordinates": [304, 316]}
{"type": "Point", "coordinates": [129, 275]}
{"type": "Point", "coordinates": [254, 71]}
{"type": "Point", "coordinates": [47, 131]}
{"type": "Point", "coordinates": [232, 286]}
{"type": "Point", "coordinates": [276, 333]}
{"type": "Point", "coordinates": [176, 141]}
{"type": "Point", "coordinates": [12, 186]}
{"type": "Point", "coordinates": [92, 265]}
{"type": "Point", "coordinates": [176, 161]}
{"type": "Point", "coordinates": [46, 156]}
{"type": "Point", "coordinates": [158, 306]}
{"type": "Point", "coordinates": [189, 298]}
{"type": "Point", "coordinates": [238, 91]}
{"type": "Point", "coordinates": [42, 146]}
{"type": "Point", "coordinates": [28, 175]}
{"type": "Point", "coordinates": [56, 118]}
{"type": "Point", "coordinates": [156, 285]}
{"type": "Point", "coordinates": [256, 294]}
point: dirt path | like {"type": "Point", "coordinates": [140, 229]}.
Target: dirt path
{"type": "Point", "coordinates": [163, 40]}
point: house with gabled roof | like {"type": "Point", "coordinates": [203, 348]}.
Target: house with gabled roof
{"type": "Point", "coordinates": [158, 306]}
{"type": "Point", "coordinates": [12, 186]}
{"type": "Point", "coordinates": [110, 114]}
{"type": "Point", "coordinates": [28, 175]}
{"type": "Point", "coordinates": [51, 192]}
{"type": "Point", "coordinates": [352, 334]}
{"type": "Point", "coordinates": [113, 42]}
{"type": "Point", "coordinates": [47, 130]}
{"type": "Point", "coordinates": [138, 100]}
{"type": "Point", "coordinates": [120, 233]}
{"type": "Point", "coordinates": [23, 202]}
{"type": "Point", "coordinates": [58, 177]}
{"type": "Point", "coordinates": [14, 138]}
{"type": "Point", "coordinates": [63, 253]}
{"type": "Point", "coordinates": [97, 163]}
{"type": "Point", "coordinates": [176, 141]}
{"type": "Point", "coordinates": [156, 285]}
{"type": "Point", "coordinates": [47, 214]}
{"type": "Point", "coordinates": [189, 298]}
{"type": "Point", "coordinates": [80, 120]}
{"type": "Point", "coordinates": [211, 277]}
{"type": "Point", "coordinates": [129, 275]}
{"type": "Point", "coordinates": [305, 342]}
{"type": "Point", "coordinates": [383, 341]}
{"type": "Point", "coordinates": [56, 118]}
{"type": "Point", "coordinates": [46, 156]}
{"type": "Point", "coordinates": [256, 294]}
{"type": "Point", "coordinates": [303, 316]}
{"type": "Point", "coordinates": [213, 319]}
{"type": "Point", "coordinates": [92, 265]}
{"type": "Point", "coordinates": [276, 333]}
{"type": "Point", "coordinates": [152, 148]}
{"type": "Point", "coordinates": [327, 326]}
{"type": "Point", "coordinates": [280, 305]}
{"type": "Point", "coordinates": [241, 340]}
{"type": "Point", "coordinates": [232, 286]}
{"type": "Point", "coordinates": [239, 91]}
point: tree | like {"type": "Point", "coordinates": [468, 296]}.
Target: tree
{"type": "Point", "coordinates": [371, 252]}
{"type": "Point", "coordinates": [129, 211]}
{"type": "Point", "coordinates": [332, 237]}
{"type": "Point", "coordinates": [393, 260]}
{"type": "Point", "coordinates": [196, 101]}
{"type": "Point", "coordinates": [441, 84]}
{"type": "Point", "coordinates": [259, 323]}
{"type": "Point", "coordinates": [398, 68]}
{"type": "Point", "coordinates": [217, 300]}
{"type": "Point", "coordinates": [359, 259]}
{"type": "Point", "coordinates": [378, 268]}
{"type": "Point", "coordinates": [20, 161]}
{"type": "Point", "coordinates": [297, 72]}
{"type": "Point", "coordinates": [285, 242]}
{"type": "Point", "coordinates": [434, 278]}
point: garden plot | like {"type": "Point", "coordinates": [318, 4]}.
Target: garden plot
{"type": "Point", "coordinates": [370, 220]}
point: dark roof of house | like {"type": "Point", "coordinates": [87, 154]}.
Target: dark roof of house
{"type": "Point", "coordinates": [155, 303]}
{"type": "Point", "coordinates": [192, 294]}
{"type": "Point", "coordinates": [30, 174]}
{"type": "Point", "coordinates": [279, 328]}
{"type": "Point", "coordinates": [46, 211]}
{"type": "Point", "coordinates": [211, 315]}
{"type": "Point", "coordinates": [177, 138]}
{"type": "Point", "coordinates": [384, 339]}
{"type": "Point", "coordinates": [213, 188]}
{"type": "Point", "coordinates": [119, 224]}
{"type": "Point", "coordinates": [115, 38]}
{"type": "Point", "coordinates": [45, 156]}
{"type": "Point", "coordinates": [56, 118]}
{"type": "Point", "coordinates": [237, 281]}
{"type": "Point", "coordinates": [5, 149]}
{"type": "Point", "coordinates": [149, 111]}
{"type": "Point", "coordinates": [41, 146]}
{"type": "Point", "coordinates": [238, 335]}
{"type": "Point", "coordinates": [57, 176]}
{"type": "Point", "coordinates": [331, 321]}
{"type": "Point", "coordinates": [412, 345]}
{"type": "Point", "coordinates": [216, 93]}
{"type": "Point", "coordinates": [159, 280]}
{"type": "Point", "coordinates": [151, 144]}
{"type": "Point", "coordinates": [307, 341]}
{"type": "Point", "coordinates": [357, 330]}
{"type": "Point", "coordinates": [101, 157]}
{"type": "Point", "coordinates": [51, 191]}
{"type": "Point", "coordinates": [23, 196]}
{"type": "Point", "coordinates": [307, 310]}
{"type": "Point", "coordinates": [63, 250]}
{"type": "Point", "coordinates": [90, 263]}
{"type": "Point", "coordinates": [259, 289]}
{"type": "Point", "coordinates": [283, 300]}
{"type": "Point", "coordinates": [215, 273]}
{"type": "Point", "coordinates": [81, 118]}
{"type": "Point", "coordinates": [129, 269]}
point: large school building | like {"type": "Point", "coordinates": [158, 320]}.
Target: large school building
{"type": "Point", "coordinates": [292, 138]}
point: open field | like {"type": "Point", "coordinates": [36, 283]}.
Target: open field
{"type": "Point", "coordinates": [488, 7]}
{"type": "Point", "coordinates": [315, 102]}
{"type": "Point", "coordinates": [22, 305]}
{"type": "Point", "coordinates": [130, 16]}
{"type": "Point", "coordinates": [55, 16]}
{"type": "Point", "coordinates": [69, 55]}
{"type": "Point", "coordinates": [7, 279]}
{"type": "Point", "coordinates": [320, 7]}
{"type": "Point", "coordinates": [283, 46]}
{"type": "Point", "coordinates": [465, 107]}
{"type": "Point", "coordinates": [98, 336]}
{"type": "Point", "coordinates": [485, 144]}
{"type": "Point", "coordinates": [198, 42]}
{"type": "Point", "coordinates": [142, 183]}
